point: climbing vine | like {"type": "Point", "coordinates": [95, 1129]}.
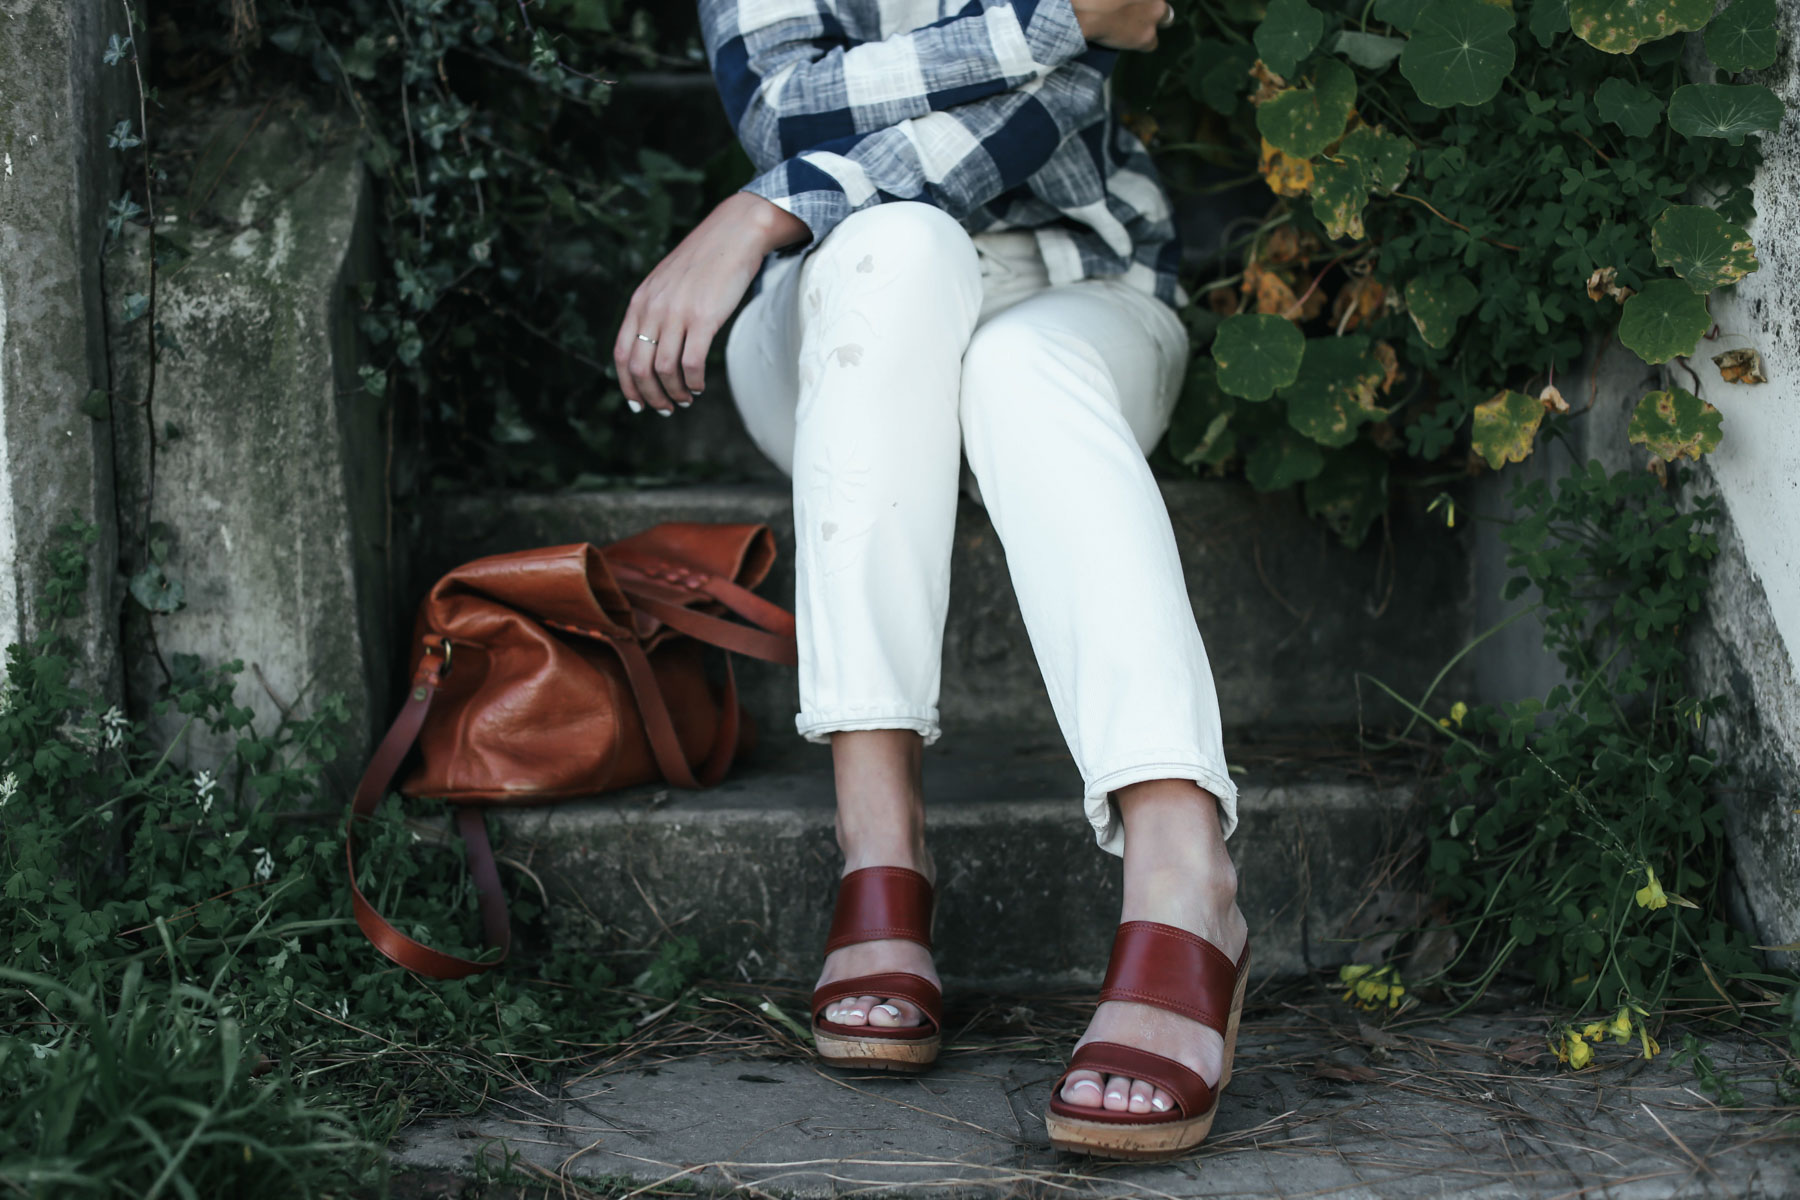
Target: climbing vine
{"type": "Point", "coordinates": [1458, 198]}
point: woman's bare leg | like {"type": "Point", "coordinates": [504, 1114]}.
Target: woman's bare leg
{"type": "Point", "coordinates": [880, 823]}
{"type": "Point", "coordinates": [1177, 872]}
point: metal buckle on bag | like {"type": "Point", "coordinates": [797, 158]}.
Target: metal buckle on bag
{"type": "Point", "coordinates": [427, 673]}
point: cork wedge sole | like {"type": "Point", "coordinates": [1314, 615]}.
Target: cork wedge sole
{"type": "Point", "coordinates": [876, 1054]}
{"type": "Point", "coordinates": [1149, 1140]}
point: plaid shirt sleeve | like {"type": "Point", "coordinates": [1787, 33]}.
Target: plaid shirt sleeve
{"type": "Point", "coordinates": [953, 113]}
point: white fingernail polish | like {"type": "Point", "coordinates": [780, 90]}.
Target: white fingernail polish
{"type": "Point", "coordinates": [665, 412]}
{"type": "Point", "coordinates": [634, 406]}
{"type": "Point", "coordinates": [1159, 1104]}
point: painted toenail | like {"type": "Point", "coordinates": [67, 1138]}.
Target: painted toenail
{"type": "Point", "coordinates": [1115, 1095]}
{"type": "Point", "coordinates": [1087, 1083]}
{"type": "Point", "coordinates": [1159, 1104]}
{"type": "Point", "coordinates": [889, 1009]}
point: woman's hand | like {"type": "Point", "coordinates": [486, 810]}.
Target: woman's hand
{"type": "Point", "coordinates": [1123, 24]}
{"type": "Point", "coordinates": [691, 294]}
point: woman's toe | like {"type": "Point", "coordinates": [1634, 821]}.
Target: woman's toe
{"type": "Point", "coordinates": [1118, 1093]}
{"type": "Point", "coordinates": [1083, 1087]}
{"type": "Point", "coordinates": [1161, 1101]}
{"type": "Point", "coordinates": [895, 1013]}
{"type": "Point", "coordinates": [851, 1010]}
{"type": "Point", "coordinates": [1139, 1099]}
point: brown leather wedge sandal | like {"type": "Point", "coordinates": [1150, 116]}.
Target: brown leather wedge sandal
{"type": "Point", "coordinates": [874, 904]}
{"type": "Point", "coordinates": [1179, 971]}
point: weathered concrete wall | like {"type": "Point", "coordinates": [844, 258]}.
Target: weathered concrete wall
{"type": "Point", "coordinates": [56, 176]}
{"type": "Point", "coordinates": [269, 456]}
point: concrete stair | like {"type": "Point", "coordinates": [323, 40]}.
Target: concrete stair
{"type": "Point", "coordinates": [1029, 900]}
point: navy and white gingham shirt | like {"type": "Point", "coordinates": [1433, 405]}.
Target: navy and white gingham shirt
{"type": "Point", "coordinates": [999, 112]}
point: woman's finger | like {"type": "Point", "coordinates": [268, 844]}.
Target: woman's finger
{"type": "Point", "coordinates": [624, 345]}
{"type": "Point", "coordinates": [693, 354]}
{"type": "Point", "coordinates": [643, 372]}
{"type": "Point", "coordinates": [668, 364]}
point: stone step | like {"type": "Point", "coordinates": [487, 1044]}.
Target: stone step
{"type": "Point", "coordinates": [1028, 899]}
{"type": "Point", "coordinates": [1288, 614]}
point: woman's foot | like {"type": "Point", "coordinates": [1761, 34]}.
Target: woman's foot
{"type": "Point", "coordinates": [880, 823]}
{"type": "Point", "coordinates": [1177, 872]}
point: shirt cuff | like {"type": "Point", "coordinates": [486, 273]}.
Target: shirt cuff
{"type": "Point", "coordinates": [820, 210]}
{"type": "Point", "coordinates": [1052, 30]}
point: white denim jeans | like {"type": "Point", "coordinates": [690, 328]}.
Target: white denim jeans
{"type": "Point", "coordinates": [865, 369]}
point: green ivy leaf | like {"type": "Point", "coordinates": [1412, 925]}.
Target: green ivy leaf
{"type": "Point", "coordinates": [157, 591]}
{"type": "Point", "coordinates": [1744, 37]}
{"type": "Point", "coordinates": [1548, 20]}
{"type": "Point", "coordinates": [1724, 110]}
{"type": "Point", "coordinates": [1702, 247]}
{"type": "Point", "coordinates": [1200, 432]}
{"type": "Point", "coordinates": [1350, 493]}
{"type": "Point", "coordinates": [1369, 158]}
{"type": "Point", "coordinates": [1256, 354]}
{"type": "Point", "coordinates": [1636, 110]}
{"type": "Point", "coordinates": [1334, 392]}
{"type": "Point", "coordinates": [1621, 26]}
{"type": "Point", "coordinates": [1459, 52]}
{"type": "Point", "coordinates": [1674, 424]}
{"type": "Point", "coordinates": [1288, 34]}
{"type": "Point", "coordinates": [1665, 320]}
{"type": "Point", "coordinates": [1401, 14]}
{"type": "Point", "coordinates": [1370, 51]}
{"type": "Point", "coordinates": [1228, 78]}
{"type": "Point", "coordinates": [1505, 428]}
{"type": "Point", "coordinates": [1281, 460]}
{"type": "Point", "coordinates": [1437, 307]}
{"type": "Point", "coordinates": [1303, 121]}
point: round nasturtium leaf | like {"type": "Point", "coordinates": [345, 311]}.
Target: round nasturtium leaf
{"type": "Point", "coordinates": [1724, 110]}
{"type": "Point", "coordinates": [1665, 320]}
{"type": "Point", "coordinates": [1401, 14]}
{"type": "Point", "coordinates": [1369, 158]}
{"type": "Point", "coordinates": [1506, 427]}
{"type": "Point", "coordinates": [1636, 110]}
{"type": "Point", "coordinates": [1621, 26]}
{"type": "Point", "coordinates": [1676, 423]}
{"type": "Point", "coordinates": [1303, 121]}
{"type": "Point", "coordinates": [1281, 460]}
{"type": "Point", "coordinates": [1256, 354]}
{"type": "Point", "coordinates": [1702, 247]}
{"type": "Point", "coordinates": [1227, 77]}
{"type": "Point", "coordinates": [1548, 20]}
{"type": "Point", "coordinates": [1437, 307]}
{"type": "Point", "coordinates": [1351, 493]}
{"type": "Point", "coordinates": [1288, 34]}
{"type": "Point", "coordinates": [1335, 390]}
{"type": "Point", "coordinates": [1371, 51]}
{"type": "Point", "coordinates": [1459, 52]}
{"type": "Point", "coordinates": [1744, 37]}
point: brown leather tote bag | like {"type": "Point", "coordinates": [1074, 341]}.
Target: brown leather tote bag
{"type": "Point", "coordinates": [564, 672]}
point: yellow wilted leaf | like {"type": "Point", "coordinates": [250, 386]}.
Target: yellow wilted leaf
{"type": "Point", "coordinates": [1140, 123]}
{"type": "Point", "coordinates": [1269, 292]}
{"type": "Point", "coordinates": [1601, 285]}
{"type": "Point", "coordinates": [1743, 365]}
{"type": "Point", "coordinates": [1505, 428]}
{"type": "Point", "coordinates": [1359, 300]}
{"type": "Point", "coordinates": [1285, 174]}
{"type": "Point", "coordinates": [1553, 399]}
{"type": "Point", "coordinates": [1390, 363]}
{"type": "Point", "coordinates": [1268, 83]}
{"type": "Point", "coordinates": [1285, 245]}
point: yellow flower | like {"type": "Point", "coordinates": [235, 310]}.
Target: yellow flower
{"type": "Point", "coordinates": [1651, 1049]}
{"type": "Point", "coordinates": [1651, 894]}
{"type": "Point", "coordinates": [1593, 1032]}
{"type": "Point", "coordinates": [1621, 1026]}
{"type": "Point", "coordinates": [1368, 987]}
{"type": "Point", "coordinates": [1458, 711]}
{"type": "Point", "coordinates": [1580, 1053]}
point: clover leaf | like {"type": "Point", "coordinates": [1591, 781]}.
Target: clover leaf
{"type": "Point", "coordinates": [1665, 320]}
{"type": "Point", "coordinates": [1437, 307]}
{"type": "Point", "coordinates": [1621, 26]}
{"type": "Point", "coordinates": [1702, 247]}
{"type": "Point", "coordinates": [1288, 34]}
{"type": "Point", "coordinates": [1303, 121]}
{"type": "Point", "coordinates": [1256, 354]}
{"type": "Point", "coordinates": [1634, 109]}
{"type": "Point", "coordinates": [1505, 428]}
{"type": "Point", "coordinates": [1724, 110]}
{"type": "Point", "coordinates": [1459, 52]}
{"type": "Point", "coordinates": [1674, 424]}
{"type": "Point", "coordinates": [1335, 390]}
{"type": "Point", "coordinates": [1744, 37]}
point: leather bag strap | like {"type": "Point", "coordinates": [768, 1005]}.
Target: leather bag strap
{"type": "Point", "coordinates": [470, 823]}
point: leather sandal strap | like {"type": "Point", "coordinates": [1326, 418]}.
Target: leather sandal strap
{"type": "Point", "coordinates": [1172, 969]}
{"type": "Point", "coordinates": [877, 903]}
{"type": "Point", "coordinates": [1192, 1094]}
{"type": "Point", "coordinates": [889, 985]}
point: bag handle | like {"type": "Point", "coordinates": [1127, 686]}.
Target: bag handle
{"type": "Point", "coordinates": [470, 823]}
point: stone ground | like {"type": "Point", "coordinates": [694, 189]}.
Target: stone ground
{"type": "Point", "coordinates": [1322, 1103]}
